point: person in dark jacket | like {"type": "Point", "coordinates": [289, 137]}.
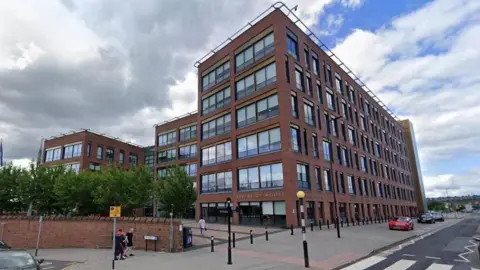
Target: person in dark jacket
{"type": "Point", "coordinates": [130, 242]}
{"type": "Point", "coordinates": [119, 238]}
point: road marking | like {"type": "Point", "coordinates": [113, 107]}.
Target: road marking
{"type": "Point", "coordinates": [365, 263]}
{"type": "Point", "coordinates": [46, 263]}
{"type": "Point", "coordinates": [470, 249]}
{"type": "Point", "coordinates": [438, 266]}
{"type": "Point", "coordinates": [401, 265]}
{"type": "Point", "coordinates": [433, 258]}
{"type": "Point", "coordinates": [48, 267]}
{"type": "Point", "coordinates": [409, 255]}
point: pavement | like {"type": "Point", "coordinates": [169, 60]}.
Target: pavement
{"type": "Point", "coordinates": [282, 251]}
{"type": "Point", "coordinates": [450, 248]}
{"type": "Point", "coordinates": [56, 265]}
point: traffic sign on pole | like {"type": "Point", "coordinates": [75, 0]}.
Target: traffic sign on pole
{"type": "Point", "coordinates": [115, 211]}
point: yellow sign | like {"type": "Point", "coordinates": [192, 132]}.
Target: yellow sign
{"type": "Point", "coordinates": [115, 211]}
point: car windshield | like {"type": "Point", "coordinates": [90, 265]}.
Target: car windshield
{"type": "Point", "coordinates": [400, 219]}
{"type": "Point", "coordinates": [15, 259]}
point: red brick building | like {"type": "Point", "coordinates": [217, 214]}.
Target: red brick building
{"type": "Point", "coordinates": [267, 99]}
{"type": "Point", "coordinates": [86, 149]}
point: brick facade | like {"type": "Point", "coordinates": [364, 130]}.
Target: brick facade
{"type": "Point", "coordinates": [86, 232]}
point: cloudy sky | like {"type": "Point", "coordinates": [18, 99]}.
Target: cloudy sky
{"type": "Point", "coordinates": [119, 67]}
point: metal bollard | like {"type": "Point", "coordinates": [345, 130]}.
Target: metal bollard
{"type": "Point", "coordinates": [358, 221]}
{"type": "Point", "coordinates": [341, 222]}
{"type": "Point", "coordinates": [233, 239]}
{"type": "Point", "coordinates": [291, 229]}
{"type": "Point", "coordinates": [212, 243]}
{"type": "Point", "coordinates": [266, 234]}
{"type": "Point", "coordinates": [251, 237]}
{"type": "Point", "coordinates": [311, 226]}
{"type": "Point", "coordinates": [328, 224]}
{"type": "Point", "coordinates": [320, 224]}
{"type": "Point", "coordinates": [353, 222]}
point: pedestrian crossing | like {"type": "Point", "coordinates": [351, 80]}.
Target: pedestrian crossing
{"type": "Point", "coordinates": [402, 264]}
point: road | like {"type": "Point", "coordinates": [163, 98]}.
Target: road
{"type": "Point", "coordinates": [56, 265]}
{"type": "Point", "coordinates": [445, 249]}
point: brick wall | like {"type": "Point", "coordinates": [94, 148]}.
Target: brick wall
{"type": "Point", "coordinates": [86, 232]}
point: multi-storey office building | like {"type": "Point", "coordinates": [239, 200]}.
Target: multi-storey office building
{"type": "Point", "coordinates": [266, 103]}
{"type": "Point", "coordinates": [86, 149]}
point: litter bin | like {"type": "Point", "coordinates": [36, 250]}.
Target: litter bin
{"type": "Point", "coordinates": [187, 237]}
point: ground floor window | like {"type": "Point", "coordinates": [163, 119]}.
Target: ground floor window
{"type": "Point", "coordinates": [262, 213]}
{"type": "Point", "coordinates": [343, 212]}
{"type": "Point", "coordinates": [311, 212]}
{"type": "Point", "coordinates": [212, 214]}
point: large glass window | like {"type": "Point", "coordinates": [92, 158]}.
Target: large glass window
{"type": "Point", "coordinates": [363, 162]}
{"type": "Point", "coordinates": [258, 111]}
{"type": "Point", "coordinates": [190, 169]}
{"type": "Point", "coordinates": [217, 154]}
{"type": "Point", "coordinates": [167, 155]}
{"type": "Point", "coordinates": [315, 63]}
{"type": "Point", "coordinates": [215, 127]}
{"type": "Point", "coordinates": [99, 152]}
{"type": "Point", "coordinates": [295, 138]}
{"type": "Point", "coordinates": [216, 76]}
{"type": "Point", "coordinates": [262, 78]}
{"type": "Point", "coordinates": [299, 81]}
{"type": "Point", "coordinates": [260, 143]}
{"type": "Point", "coordinates": [315, 145]}
{"type": "Point", "coordinates": [292, 45]}
{"type": "Point", "coordinates": [303, 176]}
{"type": "Point", "coordinates": [327, 180]}
{"type": "Point", "coordinates": [75, 167]}
{"type": "Point", "coordinates": [327, 150]}
{"type": "Point", "coordinates": [351, 184]}
{"type": "Point", "coordinates": [167, 138]}
{"type": "Point", "coordinates": [338, 84]}
{"type": "Point", "coordinates": [188, 151]}
{"type": "Point", "coordinates": [254, 53]}
{"type": "Point", "coordinates": [121, 158]}
{"type": "Point", "coordinates": [188, 133]}
{"type": "Point", "coordinates": [330, 103]}
{"type": "Point", "coordinates": [72, 151]}
{"type": "Point", "coordinates": [293, 100]}
{"type": "Point", "coordinates": [351, 135]}
{"type": "Point", "coordinates": [309, 114]}
{"type": "Point", "coordinates": [266, 176]}
{"type": "Point", "coordinates": [216, 182]}
{"type": "Point", "coordinates": [133, 160]}
{"type": "Point", "coordinates": [216, 101]}
{"type": "Point", "coordinates": [109, 154]}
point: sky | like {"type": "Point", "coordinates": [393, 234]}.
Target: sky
{"type": "Point", "coordinates": [119, 67]}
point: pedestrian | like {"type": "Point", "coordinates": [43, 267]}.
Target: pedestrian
{"type": "Point", "coordinates": [130, 242]}
{"type": "Point", "coordinates": [118, 245]}
{"type": "Point", "coordinates": [203, 225]}
{"type": "Point", "coordinates": [124, 244]}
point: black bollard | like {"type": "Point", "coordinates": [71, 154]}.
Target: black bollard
{"type": "Point", "coordinates": [251, 237]}
{"type": "Point", "coordinates": [291, 229]}
{"type": "Point", "coordinates": [320, 224]}
{"type": "Point", "coordinates": [341, 222]}
{"type": "Point", "coordinates": [358, 221]}
{"type": "Point", "coordinates": [353, 221]}
{"type": "Point", "coordinates": [266, 234]}
{"type": "Point", "coordinates": [348, 225]}
{"type": "Point", "coordinates": [233, 240]}
{"type": "Point", "coordinates": [335, 224]}
{"type": "Point", "coordinates": [311, 226]}
{"type": "Point", "coordinates": [212, 243]}
{"type": "Point", "coordinates": [328, 224]}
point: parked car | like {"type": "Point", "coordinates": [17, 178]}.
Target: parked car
{"type": "Point", "coordinates": [19, 259]}
{"type": "Point", "coordinates": [400, 223]}
{"type": "Point", "coordinates": [4, 245]}
{"type": "Point", "coordinates": [426, 218]}
{"type": "Point", "coordinates": [438, 216]}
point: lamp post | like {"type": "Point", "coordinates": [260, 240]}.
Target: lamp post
{"type": "Point", "coordinates": [331, 174]}
{"type": "Point", "coordinates": [300, 196]}
{"type": "Point", "coordinates": [229, 213]}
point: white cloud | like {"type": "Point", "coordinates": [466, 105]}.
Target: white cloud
{"type": "Point", "coordinates": [352, 3]}
{"type": "Point", "coordinates": [453, 185]}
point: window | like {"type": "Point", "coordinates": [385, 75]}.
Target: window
{"type": "Point", "coordinates": [271, 176]}
{"type": "Point", "coordinates": [345, 159]}
{"type": "Point", "coordinates": [260, 143]}
{"type": "Point", "coordinates": [188, 133]}
{"type": "Point", "coordinates": [133, 160]}
{"type": "Point", "coordinates": [216, 182]}
{"type": "Point", "coordinates": [305, 140]}
{"type": "Point", "coordinates": [334, 126]}
{"type": "Point", "coordinates": [363, 162]}
{"type": "Point", "coordinates": [121, 158]}
{"type": "Point", "coordinates": [75, 167]}
{"type": "Point", "coordinates": [94, 167]}
{"type": "Point", "coordinates": [318, 178]}
{"type": "Point", "coordinates": [326, 150]}
{"type": "Point", "coordinates": [216, 101]}
{"type": "Point", "coordinates": [351, 135]}
{"type": "Point", "coordinates": [89, 149]}
{"type": "Point", "coordinates": [351, 184]}
{"type": "Point", "coordinates": [188, 151]}
{"type": "Point", "coordinates": [315, 145]}
{"type": "Point", "coordinates": [72, 151]}
{"type": "Point", "coordinates": [327, 180]}
{"type": "Point", "coordinates": [307, 58]}
{"type": "Point", "coordinates": [378, 151]}
{"type": "Point", "coordinates": [294, 104]}
{"type": "Point", "coordinates": [287, 69]}
{"type": "Point", "coordinates": [299, 80]}
{"type": "Point", "coordinates": [319, 93]}
{"type": "Point", "coordinates": [352, 96]}
{"type": "Point", "coordinates": [217, 154]}
{"type": "Point", "coordinates": [344, 109]}
{"type": "Point", "coordinates": [109, 154]}
{"type": "Point", "coordinates": [309, 114]}
{"type": "Point", "coordinates": [166, 155]}
{"type": "Point", "coordinates": [258, 111]}
{"type": "Point", "coordinates": [315, 63]}
{"type": "Point", "coordinates": [254, 53]}
{"type": "Point", "coordinates": [167, 138]}
{"type": "Point", "coordinates": [364, 187]}
{"type": "Point", "coordinates": [295, 138]}
{"type": "Point", "coordinates": [309, 85]}
{"type": "Point", "coordinates": [216, 76]}
{"type": "Point", "coordinates": [330, 102]}
{"type": "Point", "coordinates": [99, 152]}
{"type": "Point", "coordinates": [328, 74]}
{"type": "Point", "coordinates": [292, 45]}
{"type": "Point", "coordinates": [162, 173]}
{"type": "Point", "coordinates": [338, 84]}
{"type": "Point", "coordinates": [216, 127]}
{"type": "Point", "coordinates": [302, 176]}
{"type": "Point", "coordinates": [363, 124]}
{"type": "Point", "coordinates": [190, 169]}
{"type": "Point", "coordinates": [261, 79]}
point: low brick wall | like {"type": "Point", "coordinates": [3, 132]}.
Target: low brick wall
{"type": "Point", "coordinates": [86, 232]}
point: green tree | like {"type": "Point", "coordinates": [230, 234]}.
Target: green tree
{"type": "Point", "coordinates": [436, 206]}
{"type": "Point", "coordinates": [176, 191]}
{"type": "Point", "coordinates": [9, 192]}
{"type": "Point", "coordinates": [460, 207]}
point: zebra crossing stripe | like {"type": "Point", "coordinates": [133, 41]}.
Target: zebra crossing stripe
{"type": "Point", "coordinates": [365, 263]}
{"type": "Point", "coordinates": [439, 266]}
{"type": "Point", "coordinates": [401, 265]}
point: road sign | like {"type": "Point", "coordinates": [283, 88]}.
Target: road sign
{"type": "Point", "coordinates": [115, 211]}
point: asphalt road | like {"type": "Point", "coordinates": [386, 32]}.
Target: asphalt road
{"type": "Point", "coordinates": [445, 249]}
{"type": "Point", "coordinates": [56, 265]}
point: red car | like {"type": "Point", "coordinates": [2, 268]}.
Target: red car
{"type": "Point", "coordinates": [400, 223]}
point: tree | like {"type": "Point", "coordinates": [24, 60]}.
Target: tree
{"type": "Point", "coordinates": [176, 191]}
{"type": "Point", "coordinates": [9, 191]}
{"type": "Point", "coordinates": [435, 206]}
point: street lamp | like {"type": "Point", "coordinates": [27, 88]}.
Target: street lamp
{"type": "Point", "coordinates": [300, 196]}
{"type": "Point", "coordinates": [331, 174]}
{"type": "Point", "coordinates": [229, 213]}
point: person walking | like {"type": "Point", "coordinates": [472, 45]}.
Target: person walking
{"type": "Point", "coordinates": [130, 242]}
{"type": "Point", "coordinates": [203, 225]}
{"type": "Point", "coordinates": [118, 245]}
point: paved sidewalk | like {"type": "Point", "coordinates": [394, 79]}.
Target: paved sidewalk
{"type": "Point", "coordinates": [283, 251]}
